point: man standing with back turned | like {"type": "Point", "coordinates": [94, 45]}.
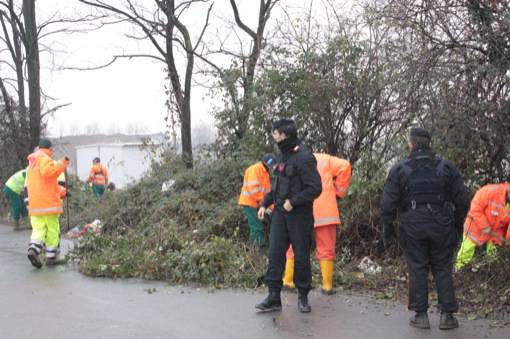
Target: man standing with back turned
{"type": "Point", "coordinates": [297, 184]}
{"type": "Point", "coordinates": [44, 202]}
{"type": "Point", "coordinates": [432, 201]}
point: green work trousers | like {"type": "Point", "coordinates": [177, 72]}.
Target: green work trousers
{"type": "Point", "coordinates": [256, 227]}
{"type": "Point", "coordinates": [98, 190]}
{"type": "Point", "coordinates": [18, 208]}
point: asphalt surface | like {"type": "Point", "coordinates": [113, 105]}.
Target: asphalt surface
{"type": "Point", "coordinates": [58, 302]}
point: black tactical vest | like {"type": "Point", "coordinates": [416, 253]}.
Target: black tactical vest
{"type": "Point", "coordinates": [424, 182]}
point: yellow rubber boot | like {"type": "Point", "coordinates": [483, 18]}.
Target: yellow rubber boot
{"type": "Point", "coordinates": [327, 276]}
{"type": "Point", "coordinates": [288, 278]}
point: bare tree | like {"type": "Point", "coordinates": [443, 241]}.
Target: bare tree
{"type": "Point", "coordinates": [31, 42]}
{"type": "Point", "coordinates": [234, 81]}
{"type": "Point", "coordinates": [163, 27]}
{"type": "Point", "coordinates": [20, 39]}
{"type": "Point", "coordinates": [455, 55]}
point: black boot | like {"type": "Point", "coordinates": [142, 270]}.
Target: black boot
{"type": "Point", "coordinates": [420, 320]}
{"type": "Point", "coordinates": [271, 303]}
{"type": "Point", "coordinates": [303, 305]}
{"type": "Point", "coordinates": [34, 258]}
{"type": "Point", "coordinates": [448, 321]}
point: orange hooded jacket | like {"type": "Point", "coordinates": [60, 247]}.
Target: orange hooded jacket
{"type": "Point", "coordinates": [256, 185]}
{"type": "Point", "coordinates": [488, 209]}
{"type": "Point", "coordinates": [43, 189]}
{"type": "Point", "coordinates": [336, 177]}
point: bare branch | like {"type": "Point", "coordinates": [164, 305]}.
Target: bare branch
{"type": "Point", "coordinates": [199, 40]}
{"type": "Point", "coordinates": [239, 21]}
{"type": "Point", "coordinates": [54, 109]}
{"type": "Point", "coordinates": [115, 58]}
{"type": "Point", "coordinates": [136, 20]}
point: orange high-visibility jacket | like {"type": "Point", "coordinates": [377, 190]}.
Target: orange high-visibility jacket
{"type": "Point", "coordinates": [256, 185]}
{"type": "Point", "coordinates": [488, 209]}
{"type": "Point", "coordinates": [42, 186]}
{"type": "Point", "coordinates": [98, 175]}
{"type": "Point", "coordinates": [335, 176]}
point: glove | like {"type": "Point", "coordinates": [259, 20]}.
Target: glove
{"type": "Point", "coordinates": [388, 235]}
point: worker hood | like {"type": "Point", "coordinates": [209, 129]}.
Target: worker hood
{"type": "Point", "coordinates": [32, 158]}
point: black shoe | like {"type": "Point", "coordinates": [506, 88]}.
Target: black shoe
{"type": "Point", "coordinates": [271, 303]}
{"type": "Point", "coordinates": [303, 305]}
{"type": "Point", "coordinates": [34, 258]}
{"type": "Point", "coordinates": [420, 320]}
{"type": "Point", "coordinates": [448, 321]}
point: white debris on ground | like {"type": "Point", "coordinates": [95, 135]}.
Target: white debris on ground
{"type": "Point", "coordinates": [368, 266]}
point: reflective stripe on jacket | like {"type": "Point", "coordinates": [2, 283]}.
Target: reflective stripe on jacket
{"type": "Point", "coordinates": [488, 209]}
{"type": "Point", "coordinates": [336, 177]}
{"type": "Point", "coordinates": [256, 185]}
{"type": "Point", "coordinates": [43, 189]}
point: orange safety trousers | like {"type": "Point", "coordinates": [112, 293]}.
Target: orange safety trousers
{"type": "Point", "coordinates": [325, 240]}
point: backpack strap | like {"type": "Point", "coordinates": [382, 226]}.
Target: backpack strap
{"type": "Point", "coordinates": [440, 167]}
{"type": "Point", "coordinates": [407, 169]}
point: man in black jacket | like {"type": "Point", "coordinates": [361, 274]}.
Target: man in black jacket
{"type": "Point", "coordinates": [432, 201]}
{"type": "Point", "coordinates": [297, 184]}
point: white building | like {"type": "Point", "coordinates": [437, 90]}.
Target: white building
{"type": "Point", "coordinates": [126, 162]}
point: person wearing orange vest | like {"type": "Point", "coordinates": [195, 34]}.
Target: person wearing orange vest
{"type": "Point", "coordinates": [256, 185]}
{"type": "Point", "coordinates": [98, 177]}
{"type": "Point", "coordinates": [335, 176]}
{"type": "Point", "coordinates": [487, 222]}
{"type": "Point", "coordinates": [44, 202]}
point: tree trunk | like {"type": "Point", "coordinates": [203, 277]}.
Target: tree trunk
{"type": "Point", "coordinates": [33, 71]}
{"type": "Point", "coordinates": [182, 98]}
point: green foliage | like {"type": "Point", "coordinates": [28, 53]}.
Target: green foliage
{"type": "Point", "coordinates": [354, 89]}
{"type": "Point", "coordinates": [194, 233]}
{"type": "Point", "coordinates": [163, 253]}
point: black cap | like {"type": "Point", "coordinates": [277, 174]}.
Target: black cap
{"type": "Point", "coordinates": [420, 132]}
{"type": "Point", "coordinates": [96, 159]}
{"type": "Point", "coordinates": [45, 143]}
{"type": "Point", "coordinates": [282, 122]}
{"type": "Point", "coordinates": [268, 159]}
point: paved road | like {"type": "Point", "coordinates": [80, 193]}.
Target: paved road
{"type": "Point", "coordinates": [58, 302]}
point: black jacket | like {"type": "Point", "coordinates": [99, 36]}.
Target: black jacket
{"type": "Point", "coordinates": [395, 197]}
{"type": "Point", "coordinates": [296, 177]}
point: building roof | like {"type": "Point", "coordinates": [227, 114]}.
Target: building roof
{"type": "Point", "coordinates": [101, 139]}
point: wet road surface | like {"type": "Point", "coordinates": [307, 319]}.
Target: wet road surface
{"type": "Point", "coordinates": [58, 302]}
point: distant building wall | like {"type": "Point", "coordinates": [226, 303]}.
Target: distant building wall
{"type": "Point", "coordinates": [126, 163]}
{"type": "Point", "coordinates": [66, 150]}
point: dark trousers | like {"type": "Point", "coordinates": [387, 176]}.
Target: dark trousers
{"type": "Point", "coordinates": [293, 228]}
{"type": "Point", "coordinates": [430, 254]}
{"type": "Point", "coordinates": [18, 208]}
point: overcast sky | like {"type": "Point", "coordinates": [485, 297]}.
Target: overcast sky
{"type": "Point", "coordinates": [128, 96]}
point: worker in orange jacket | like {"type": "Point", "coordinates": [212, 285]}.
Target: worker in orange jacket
{"type": "Point", "coordinates": [335, 176]}
{"type": "Point", "coordinates": [98, 177]}
{"type": "Point", "coordinates": [44, 202]}
{"type": "Point", "coordinates": [487, 222]}
{"type": "Point", "coordinates": [256, 185]}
